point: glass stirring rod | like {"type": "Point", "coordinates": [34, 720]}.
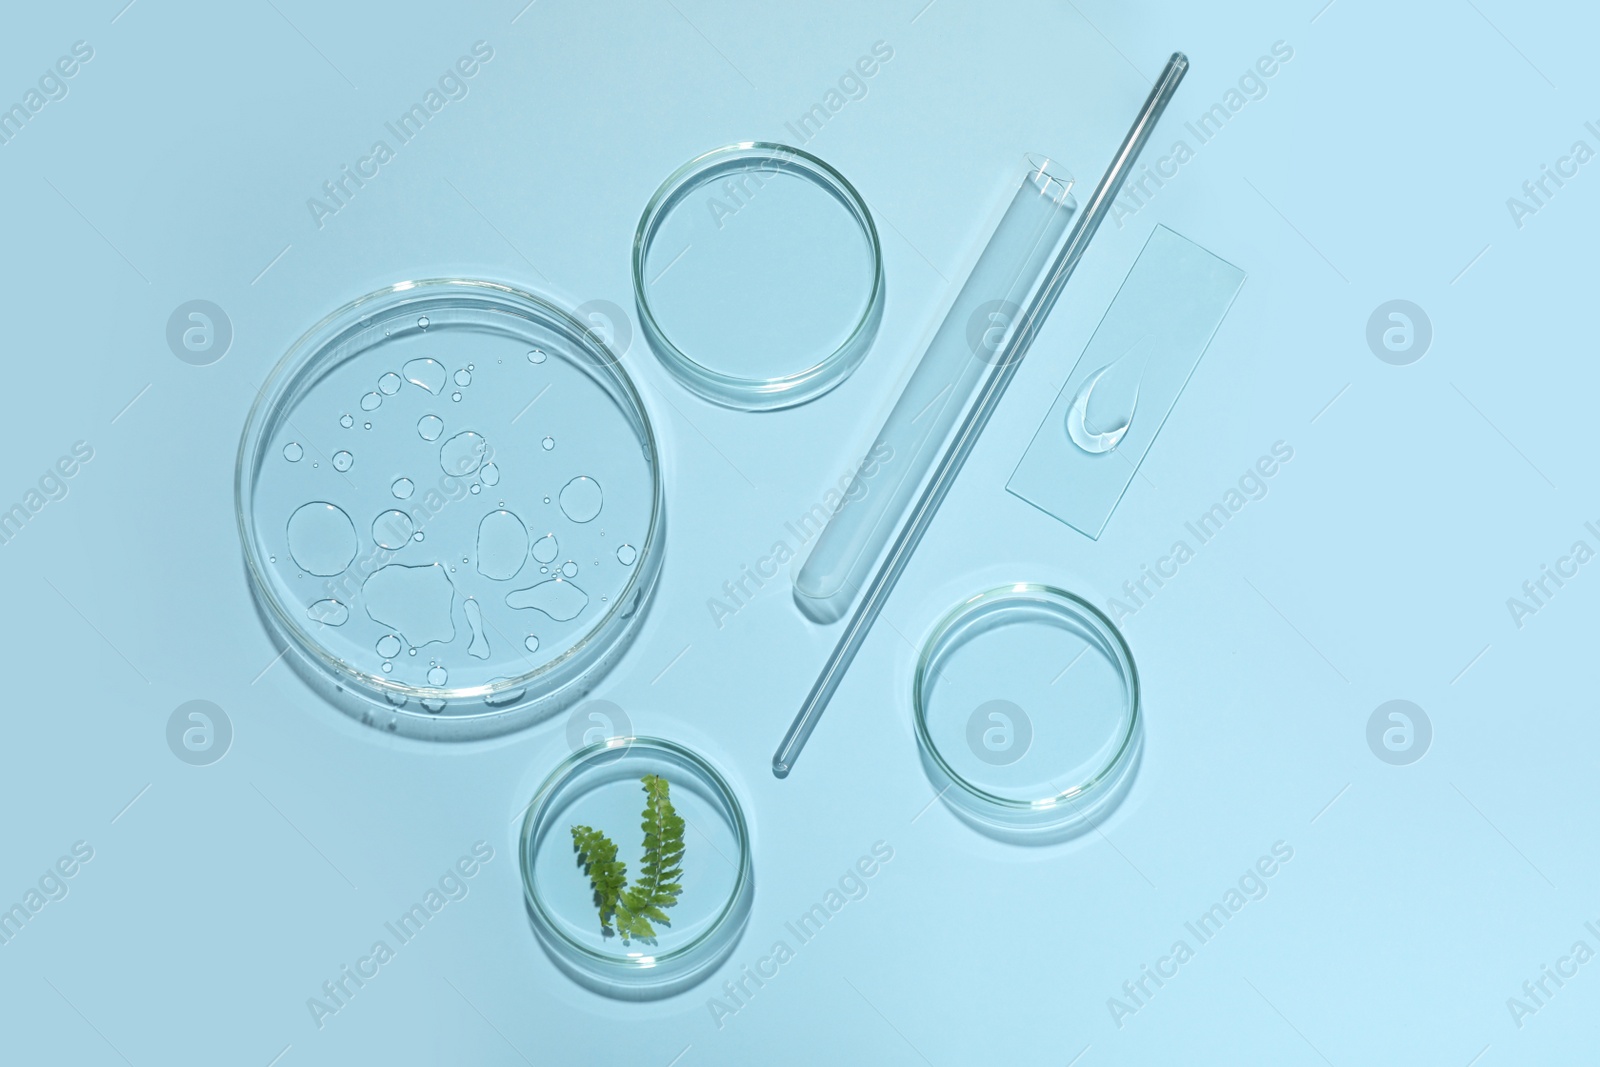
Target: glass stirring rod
{"type": "Point", "coordinates": [1015, 347]}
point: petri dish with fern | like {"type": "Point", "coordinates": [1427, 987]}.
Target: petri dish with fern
{"type": "Point", "coordinates": [636, 866]}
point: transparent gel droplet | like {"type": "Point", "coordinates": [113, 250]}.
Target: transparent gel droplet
{"type": "Point", "coordinates": [322, 539]}
{"type": "Point", "coordinates": [479, 648]}
{"type": "Point", "coordinates": [343, 461]}
{"type": "Point", "coordinates": [581, 499]}
{"type": "Point", "coordinates": [388, 646]}
{"type": "Point", "coordinates": [414, 601]}
{"type": "Point", "coordinates": [502, 546]}
{"type": "Point", "coordinates": [548, 443]}
{"type": "Point", "coordinates": [425, 373]}
{"type": "Point", "coordinates": [570, 569]}
{"type": "Point", "coordinates": [545, 549]}
{"type": "Point", "coordinates": [292, 452]}
{"type": "Point", "coordinates": [463, 454]}
{"type": "Point", "coordinates": [463, 378]}
{"type": "Point", "coordinates": [536, 355]}
{"type": "Point", "coordinates": [1097, 440]}
{"type": "Point", "coordinates": [429, 427]}
{"type": "Point", "coordinates": [531, 643]}
{"type": "Point", "coordinates": [626, 554]}
{"type": "Point", "coordinates": [557, 598]}
{"type": "Point", "coordinates": [347, 421]}
{"type": "Point", "coordinates": [422, 323]}
{"type": "Point", "coordinates": [403, 488]}
{"type": "Point", "coordinates": [328, 612]}
{"type": "Point", "coordinates": [490, 474]}
{"type": "Point", "coordinates": [437, 675]}
{"type": "Point", "coordinates": [389, 384]}
{"type": "Point", "coordinates": [370, 402]}
{"type": "Point", "coordinates": [392, 530]}
{"type": "Point", "coordinates": [456, 397]}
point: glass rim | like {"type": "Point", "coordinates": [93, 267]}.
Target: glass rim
{"type": "Point", "coordinates": [777, 391]}
{"type": "Point", "coordinates": [614, 965]}
{"type": "Point", "coordinates": [1122, 656]}
{"type": "Point", "coordinates": [275, 388]}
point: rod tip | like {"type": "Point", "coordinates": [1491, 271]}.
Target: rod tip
{"type": "Point", "coordinates": [780, 769]}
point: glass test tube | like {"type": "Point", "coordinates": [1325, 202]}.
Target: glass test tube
{"type": "Point", "coordinates": [965, 346]}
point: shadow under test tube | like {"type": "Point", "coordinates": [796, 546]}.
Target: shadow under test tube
{"type": "Point", "coordinates": [967, 344]}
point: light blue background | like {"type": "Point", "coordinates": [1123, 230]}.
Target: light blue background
{"type": "Point", "coordinates": [1377, 166]}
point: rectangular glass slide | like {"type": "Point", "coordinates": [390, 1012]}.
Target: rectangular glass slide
{"type": "Point", "coordinates": [1127, 381]}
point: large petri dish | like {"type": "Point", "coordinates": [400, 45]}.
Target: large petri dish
{"type": "Point", "coordinates": [599, 786]}
{"type": "Point", "coordinates": [1026, 702]}
{"type": "Point", "coordinates": [759, 276]}
{"type": "Point", "coordinates": [450, 502]}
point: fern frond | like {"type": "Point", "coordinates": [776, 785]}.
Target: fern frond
{"type": "Point", "coordinates": [598, 857]}
{"type": "Point", "coordinates": [656, 889]}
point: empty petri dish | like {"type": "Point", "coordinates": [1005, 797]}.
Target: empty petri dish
{"type": "Point", "coordinates": [401, 577]}
{"type": "Point", "coordinates": [1026, 702]}
{"type": "Point", "coordinates": [758, 275]}
{"type": "Point", "coordinates": [600, 787]}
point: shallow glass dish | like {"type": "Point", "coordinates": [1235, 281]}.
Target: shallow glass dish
{"type": "Point", "coordinates": [599, 786]}
{"type": "Point", "coordinates": [451, 508]}
{"type": "Point", "coordinates": [1026, 702]}
{"type": "Point", "coordinates": [759, 276]}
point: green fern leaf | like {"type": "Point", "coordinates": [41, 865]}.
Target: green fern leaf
{"type": "Point", "coordinates": [598, 856]}
{"type": "Point", "coordinates": [656, 889]}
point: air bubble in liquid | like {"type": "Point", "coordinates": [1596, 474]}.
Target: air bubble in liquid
{"type": "Point", "coordinates": [502, 546]}
{"type": "Point", "coordinates": [581, 499]}
{"type": "Point", "coordinates": [479, 646]}
{"type": "Point", "coordinates": [392, 530]}
{"type": "Point", "coordinates": [463, 454]}
{"type": "Point", "coordinates": [426, 374]}
{"type": "Point", "coordinates": [328, 612]}
{"type": "Point", "coordinates": [557, 598]}
{"type": "Point", "coordinates": [322, 539]}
